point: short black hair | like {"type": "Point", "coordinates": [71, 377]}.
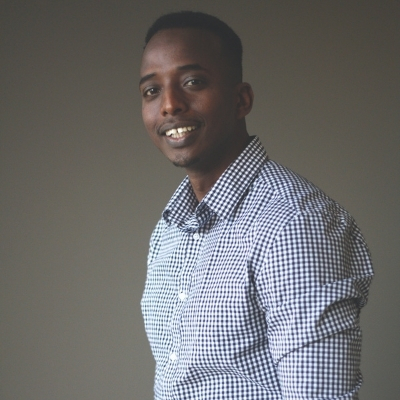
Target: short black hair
{"type": "Point", "coordinates": [230, 41]}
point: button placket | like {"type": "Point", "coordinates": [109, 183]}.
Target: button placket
{"type": "Point", "coordinates": [183, 293]}
{"type": "Point", "coordinates": [183, 296]}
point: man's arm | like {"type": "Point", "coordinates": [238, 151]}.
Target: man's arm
{"type": "Point", "coordinates": [312, 287]}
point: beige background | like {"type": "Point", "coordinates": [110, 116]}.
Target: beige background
{"type": "Point", "coordinates": [82, 185]}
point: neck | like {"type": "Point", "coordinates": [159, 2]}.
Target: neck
{"type": "Point", "coordinates": [203, 179]}
{"type": "Point", "coordinates": [202, 184]}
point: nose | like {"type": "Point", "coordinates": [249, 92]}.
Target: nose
{"type": "Point", "coordinates": [173, 102]}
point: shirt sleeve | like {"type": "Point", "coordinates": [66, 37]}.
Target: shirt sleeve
{"type": "Point", "coordinates": [312, 286]}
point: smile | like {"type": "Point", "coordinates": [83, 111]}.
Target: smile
{"type": "Point", "coordinates": [179, 132]}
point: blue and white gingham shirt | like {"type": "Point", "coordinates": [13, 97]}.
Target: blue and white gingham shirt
{"type": "Point", "coordinates": [256, 291]}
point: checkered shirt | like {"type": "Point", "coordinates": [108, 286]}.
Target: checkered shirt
{"type": "Point", "coordinates": [256, 291]}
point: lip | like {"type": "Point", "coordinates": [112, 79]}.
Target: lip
{"type": "Point", "coordinates": [185, 140]}
{"type": "Point", "coordinates": [180, 131]}
{"type": "Point", "coordinates": [176, 125]}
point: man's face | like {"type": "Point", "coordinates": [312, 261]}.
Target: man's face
{"type": "Point", "coordinates": [189, 99]}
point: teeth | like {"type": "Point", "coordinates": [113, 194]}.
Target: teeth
{"type": "Point", "coordinates": [179, 132]}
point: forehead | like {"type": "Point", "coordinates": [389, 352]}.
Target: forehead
{"type": "Point", "coordinates": [181, 46]}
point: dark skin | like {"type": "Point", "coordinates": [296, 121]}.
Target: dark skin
{"type": "Point", "coordinates": [192, 106]}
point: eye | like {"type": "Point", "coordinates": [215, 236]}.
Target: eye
{"type": "Point", "coordinates": [193, 82]}
{"type": "Point", "coordinates": [150, 92]}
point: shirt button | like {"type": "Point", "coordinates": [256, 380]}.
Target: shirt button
{"type": "Point", "coordinates": [196, 236]}
{"type": "Point", "coordinates": [182, 296]}
{"type": "Point", "coordinates": [173, 357]}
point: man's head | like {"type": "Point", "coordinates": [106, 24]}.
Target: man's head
{"type": "Point", "coordinates": [193, 100]}
{"type": "Point", "coordinates": [231, 45]}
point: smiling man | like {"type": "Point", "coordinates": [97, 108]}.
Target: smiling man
{"type": "Point", "coordinates": [255, 277]}
{"type": "Point", "coordinates": [194, 102]}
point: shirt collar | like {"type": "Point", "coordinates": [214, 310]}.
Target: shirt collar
{"type": "Point", "coordinates": [226, 192]}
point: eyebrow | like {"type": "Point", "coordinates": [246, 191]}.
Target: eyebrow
{"type": "Point", "coordinates": [146, 78]}
{"type": "Point", "coordinates": [187, 67]}
{"type": "Point", "coordinates": [195, 67]}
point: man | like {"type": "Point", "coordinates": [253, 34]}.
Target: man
{"type": "Point", "coordinates": [255, 277]}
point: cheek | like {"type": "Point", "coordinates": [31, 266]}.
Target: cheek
{"type": "Point", "coordinates": [221, 103]}
{"type": "Point", "coordinates": [149, 119]}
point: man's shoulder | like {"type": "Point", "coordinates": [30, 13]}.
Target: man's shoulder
{"type": "Point", "coordinates": [290, 189]}
{"type": "Point", "coordinates": [280, 196]}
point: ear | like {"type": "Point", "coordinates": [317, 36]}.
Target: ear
{"type": "Point", "coordinates": [245, 98]}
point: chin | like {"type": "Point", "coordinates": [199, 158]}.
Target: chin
{"type": "Point", "coordinates": [185, 162]}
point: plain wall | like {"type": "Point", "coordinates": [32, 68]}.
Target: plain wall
{"type": "Point", "coordinates": [82, 185]}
